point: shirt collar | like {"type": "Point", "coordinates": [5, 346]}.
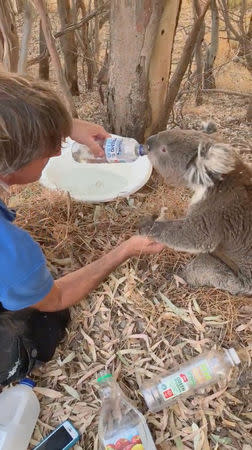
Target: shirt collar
{"type": "Point", "coordinates": [9, 214]}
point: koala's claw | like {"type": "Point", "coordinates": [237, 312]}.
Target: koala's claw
{"type": "Point", "coordinates": [146, 225]}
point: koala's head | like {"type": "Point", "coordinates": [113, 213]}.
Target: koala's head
{"type": "Point", "coordinates": [190, 157]}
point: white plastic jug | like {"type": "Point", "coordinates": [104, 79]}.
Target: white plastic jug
{"type": "Point", "coordinates": [19, 410]}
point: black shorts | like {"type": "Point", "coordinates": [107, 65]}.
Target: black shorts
{"type": "Point", "coordinates": [28, 336]}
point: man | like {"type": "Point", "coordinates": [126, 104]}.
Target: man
{"type": "Point", "coordinates": [34, 307]}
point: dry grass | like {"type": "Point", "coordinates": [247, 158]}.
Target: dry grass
{"type": "Point", "coordinates": [129, 326]}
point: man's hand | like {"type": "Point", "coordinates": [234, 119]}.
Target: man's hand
{"type": "Point", "coordinates": [89, 134]}
{"type": "Point", "coordinates": [142, 245]}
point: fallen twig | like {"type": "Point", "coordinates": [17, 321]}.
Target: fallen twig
{"type": "Point", "coordinates": [224, 91]}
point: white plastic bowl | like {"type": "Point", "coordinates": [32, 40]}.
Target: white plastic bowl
{"type": "Point", "coordinates": [94, 182]}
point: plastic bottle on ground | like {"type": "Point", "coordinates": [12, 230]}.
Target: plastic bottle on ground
{"type": "Point", "coordinates": [121, 425]}
{"type": "Point", "coordinates": [19, 411]}
{"type": "Point", "coordinates": [200, 372]}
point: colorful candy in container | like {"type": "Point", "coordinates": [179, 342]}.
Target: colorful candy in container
{"type": "Point", "coordinates": [121, 425]}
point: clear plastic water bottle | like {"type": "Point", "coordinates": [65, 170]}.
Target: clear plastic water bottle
{"type": "Point", "coordinates": [19, 411]}
{"type": "Point", "coordinates": [121, 425]}
{"type": "Point", "coordinates": [199, 372]}
{"type": "Point", "coordinates": [117, 149]}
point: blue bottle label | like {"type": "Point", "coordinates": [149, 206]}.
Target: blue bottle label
{"type": "Point", "coordinates": [114, 149]}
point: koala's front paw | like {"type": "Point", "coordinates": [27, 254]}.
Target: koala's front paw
{"type": "Point", "coordinates": [146, 225]}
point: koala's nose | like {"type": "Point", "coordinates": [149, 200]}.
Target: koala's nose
{"type": "Point", "coordinates": [150, 142]}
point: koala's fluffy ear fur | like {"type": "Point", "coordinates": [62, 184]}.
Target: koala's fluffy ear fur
{"type": "Point", "coordinates": [211, 162]}
{"type": "Point", "coordinates": [209, 127]}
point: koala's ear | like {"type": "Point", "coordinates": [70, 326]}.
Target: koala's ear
{"type": "Point", "coordinates": [209, 127]}
{"type": "Point", "coordinates": [211, 163]}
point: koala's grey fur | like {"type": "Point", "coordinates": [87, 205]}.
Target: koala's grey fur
{"type": "Point", "coordinates": [218, 224]}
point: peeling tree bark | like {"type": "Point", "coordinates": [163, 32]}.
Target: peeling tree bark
{"type": "Point", "coordinates": [142, 35]}
{"type": "Point", "coordinates": [209, 80]}
{"type": "Point", "coordinates": [18, 6]}
{"type": "Point", "coordinates": [1, 47]}
{"type": "Point", "coordinates": [198, 54]}
{"type": "Point", "coordinates": [68, 45]}
{"type": "Point", "coordinates": [27, 28]}
{"type": "Point", "coordinates": [82, 36]}
{"type": "Point", "coordinates": [44, 63]}
{"type": "Point", "coordinates": [249, 112]}
{"type": "Point", "coordinates": [9, 34]}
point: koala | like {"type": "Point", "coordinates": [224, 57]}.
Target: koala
{"type": "Point", "coordinates": [218, 225]}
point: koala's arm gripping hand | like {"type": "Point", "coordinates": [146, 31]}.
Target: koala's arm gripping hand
{"type": "Point", "coordinates": [191, 234]}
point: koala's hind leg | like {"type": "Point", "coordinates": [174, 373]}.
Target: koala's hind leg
{"type": "Point", "coordinates": [206, 270]}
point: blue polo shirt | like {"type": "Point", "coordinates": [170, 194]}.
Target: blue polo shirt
{"type": "Point", "coordinates": [24, 277]}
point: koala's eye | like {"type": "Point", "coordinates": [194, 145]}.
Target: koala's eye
{"type": "Point", "coordinates": [163, 150]}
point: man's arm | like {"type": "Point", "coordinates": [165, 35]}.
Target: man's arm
{"type": "Point", "coordinates": [70, 289]}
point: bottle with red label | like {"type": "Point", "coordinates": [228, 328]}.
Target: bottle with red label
{"type": "Point", "coordinates": [121, 425]}
{"type": "Point", "coordinates": [200, 372]}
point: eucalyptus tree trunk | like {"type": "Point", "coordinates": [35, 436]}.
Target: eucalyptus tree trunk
{"type": "Point", "coordinates": [209, 80]}
{"type": "Point", "coordinates": [68, 45]}
{"type": "Point", "coordinates": [29, 14]}
{"type": "Point", "coordinates": [198, 55]}
{"type": "Point", "coordinates": [142, 35]}
{"type": "Point", "coordinates": [44, 62]}
{"type": "Point", "coordinates": [9, 36]}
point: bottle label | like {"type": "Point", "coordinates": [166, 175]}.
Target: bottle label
{"type": "Point", "coordinates": [115, 151]}
{"type": "Point", "coordinates": [127, 440]}
{"type": "Point", "coordinates": [183, 381]}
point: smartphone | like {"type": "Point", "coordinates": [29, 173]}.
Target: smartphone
{"type": "Point", "coordinates": [62, 438]}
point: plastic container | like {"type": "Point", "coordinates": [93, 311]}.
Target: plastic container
{"type": "Point", "coordinates": [199, 372]}
{"type": "Point", "coordinates": [19, 411]}
{"type": "Point", "coordinates": [121, 425]}
{"type": "Point", "coordinates": [94, 183]}
{"type": "Point", "coordinates": [117, 149]}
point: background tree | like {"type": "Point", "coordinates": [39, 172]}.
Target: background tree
{"type": "Point", "coordinates": [211, 53]}
{"type": "Point", "coordinates": [27, 28]}
{"type": "Point", "coordinates": [68, 44]}
{"type": "Point", "coordinates": [50, 42]}
{"type": "Point", "coordinates": [240, 30]}
{"type": "Point", "coordinates": [198, 54]}
{"type": "Point", "coordinates": [9, 35]}
{"type": "Point", "coordinates": [44, 55]}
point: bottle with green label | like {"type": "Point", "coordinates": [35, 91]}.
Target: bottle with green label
{"type": "Point", "coordinates": [121, 425]}
{"type": "Point", "coordinates": [200, 372]}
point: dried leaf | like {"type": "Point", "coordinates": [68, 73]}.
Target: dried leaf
{"type": "Point", "coordinates": [179, 280]}
{"type": "Point", "coordinates": [66, 360]}
{"type": "Point", "coordinates": [97, 214]}
{"type": "Point", "coordinates": [47, 392]}
{"type": "Point", "coordinates": [71, 391]}
{"type": "Point", "coordinates": [180, 312]}
{"type": "Point", "coordinates": [221, 440]}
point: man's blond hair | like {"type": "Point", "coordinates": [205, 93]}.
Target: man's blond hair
{"type": "Point", "coordinates": [33, 121]}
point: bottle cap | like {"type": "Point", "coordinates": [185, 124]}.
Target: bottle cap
{"type": "Point", "coordinates": [143, 149]}
{"type": "Point", "coordinates": [232, 356]}
{"type": "Point", "coordinates": [28, 382]}
{"type": "Point", "coordinates": [104, 377]}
